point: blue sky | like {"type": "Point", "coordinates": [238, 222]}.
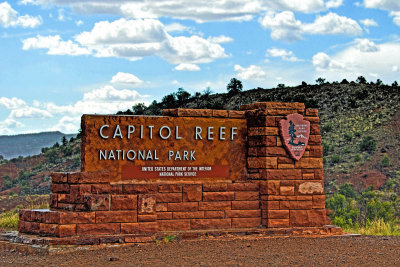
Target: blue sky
{"type": "Point", "coordinates": [61, 59]}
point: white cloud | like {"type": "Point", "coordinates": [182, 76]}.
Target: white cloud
{"type": "Point", "coordinates": [187, 67]}
{"type": "Point", "coordinates": [390, 5]}
{"type": "Point", "coordinates": [395, 68]}
{"type": "Point", "coordinates": [333, 3]}
{"type": "Point", "coordinates": [396, 17]}
{"type": "Point", "coordinates": [351, 62]}
{"type": "Point", "coordinates": [365, 45]}
{"type": "Point", "coordinates": [8, 124]}
{"type": "Point", "coordinates": [382, 4]}
{"type": "Point", "coordinates": [12, 103]}
{"type": "Point", "coordinates": [369, 23]}
{"type": "Point", "coordinates": [252, 72]}
{"type": "Point", "coordinates": [107, 99]}
{"type": "Point", "coordinates": [55, 45]}
{"type": "Point", "coordinates": [29, 112]}
{"type": "Point", "coordinates": [9, 17]}
{"type": "Point", "coordinates": [220, 39]}
{"type": "Point", "coordinates": [79, 22]}
{"type": "Point", "coordinates": [176, 27]}
{"type": "Point", "coordinates": [67, 124]}
{"type": "Point", "coordinates": [282, 53]}
{"type": "Point", "coordinates": [284, 26]}
{"type": "Point", "coordinates": [200, 10]}
{"type": "Point", "coordinates": [324, 62]}
{"type": "Point", "coordinates": [133, 40]}
{"type": "Point", "coordinates": [126, 78]}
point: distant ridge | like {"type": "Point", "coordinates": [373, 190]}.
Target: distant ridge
{"type": "Point", "coordinates": [13, 146]}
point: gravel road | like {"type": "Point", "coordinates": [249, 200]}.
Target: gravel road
{"type": "Point", "coordinates": [243, 251]}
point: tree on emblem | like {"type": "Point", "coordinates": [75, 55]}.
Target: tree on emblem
{"type": "Point", "coordinates": [292, 134]}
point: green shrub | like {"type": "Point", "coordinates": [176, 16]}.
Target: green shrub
{"type": "Point", "coordinates": [357, 134]}
{"type": "Point", "coordinates": [335, 158]}
{"type": "Point", "coordinates": [357, 158]}
{"type": "Point", "coordinates": [368, 144]}
{"type": "Point", "coordinates": [348, 136]}
{"type": "Point", "coordinates": [327, 127]}
{"type": "Point", "coordinates": [385, 161]}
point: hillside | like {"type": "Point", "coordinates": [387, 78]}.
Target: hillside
{"type": "Point", "coordinates": [13, 146]}
{"type": "Point", "coordinates": [360, 125]}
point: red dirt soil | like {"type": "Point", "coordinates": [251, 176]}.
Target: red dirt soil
{"type": "Point", "coordinates": [243, 251]}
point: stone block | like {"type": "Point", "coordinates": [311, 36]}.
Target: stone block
{"type": "Point", "coordinates": [318, 201]}
{"type": "Point", "coordinates": [161, 207]}
{"type": "Point", "coordinates": [184, 206]}
{"type": "Point", "coordinates": [66, 230]}
{"type": "Point", "coordinates": [236, 114]}
{"type": "Point", "coordinates": [215, 187]}
{"type": "Point", "coordinates": [77, 192]}
{"type": "Point", "coordinates": [139, 228]}
{"type": "Point", "coordinates": [164, 215]}
{"type": "Point", "coordinates": [58, 177]}
{"type": "Point", "coordinates": [124, 202]}
{"type": "Point", "coordinates": [59, 188]}
{"type": "Point", "coordinates": [214, 214]}
{"type": "Point", "coordinates": [139, 188]}
{"type": "Point", "coordinates": [174, 225]}
{"type": "Point", "coordinates": [98, 229]}
{"type": "Point", "coordinates": [116, 216]}
{"type": "Point", "coordinates": [170, 188]}
{"type": "Point", "coordinates": [48, 229]}
{"type": "Point", "coordinates": [97, 202]}
{"type": "Point", "coordinates": [315, 140]}
{"type": "Point", "coordinates": [246, 195]}
{"type": "Point", "coordinates": [284, 174]}
{"type": "Point", "coordinates": [106, 189]}
{"type": "Point", "coordinates": [192, 192]}
{"type": "Point", "coordinates": [262, 162]}
{"type": "Point", "coordinates": [245, 205]}
{"type": "Point", "coordinates": [307, 218]}
{"type": "Point", "coordinates": [255, 131]}
{"type": "Point", "coordinates": [217, 205]}
{"type": "Point", "coordinates": [77, 217]}
{"type": "Point", "coordinates": [287, 190]}
{"type": "Point", "coordinates": [219, 113]}
{"type": "Point", "coordinates": [147, 218]}
{"type": "Point", "coordinates": [311, 112]}
{"type": "Point", "coordinates": [246, 222]}
{"type": "Point", "coordinates": [169, 197]}
{"type": "Point", "coordinates": [278, 214]}
{"type": "Point", "coordinates": [147, 204]}
{"type": "Point", "coordinates": [100, 177]}
{"type": "Point", "coordinates": [261, 141]}
{"type": "Point", "coordinates": [188, 215]}
{"type": "Point", "coordinates": [199, 224]}
{"type": "Point", "coordinates": [242, 213]}
{"type": "Point", "coordinates": [218, 196]}
{"type": "Point", "coordinates": [243, 187]}
{"type": "Point", "coordinates": [311, 188]}
{"type": "Point", "coordinates": [278, 223]}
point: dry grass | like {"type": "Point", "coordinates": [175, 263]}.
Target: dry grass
{"type": "Point", "coordinates": [376, 227]}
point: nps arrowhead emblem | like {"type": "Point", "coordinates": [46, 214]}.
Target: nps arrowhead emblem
{"type": "Point", "coordinates": [295, 132]}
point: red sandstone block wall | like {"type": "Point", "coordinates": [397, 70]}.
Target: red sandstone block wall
{"type": "Point", "coordinates": [277, 192]}
{"type": "Point", "coordinates": [291, 192]}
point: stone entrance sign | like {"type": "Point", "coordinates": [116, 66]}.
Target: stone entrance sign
{"type": "Point", "coordinates": [189, 171]}
{"type": "Point", "coordinates": [138, 147]}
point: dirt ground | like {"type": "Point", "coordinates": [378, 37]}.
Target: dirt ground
{"type": "Point", "coordinates": [244, 251]}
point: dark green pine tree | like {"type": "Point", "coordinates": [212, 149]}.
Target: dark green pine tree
{"type": "Point", "coordinates": [292, 133]}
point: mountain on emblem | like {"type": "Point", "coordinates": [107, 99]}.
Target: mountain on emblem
{"type": "Point", "coordinates": [295, 132]}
